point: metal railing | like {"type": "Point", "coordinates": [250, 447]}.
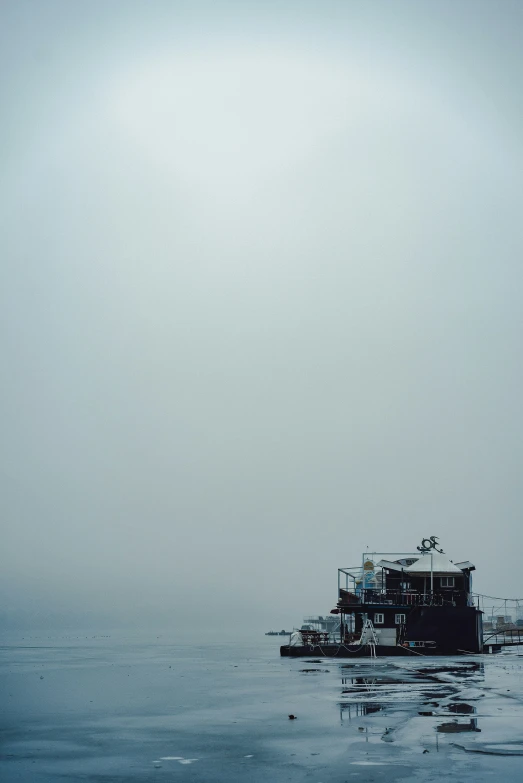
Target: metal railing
{"type": "Point", "coordinates": [402, 598]}
{"type": "Point", "coordinates": [510, 636]}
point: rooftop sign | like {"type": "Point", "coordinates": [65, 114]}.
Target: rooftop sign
{"type": "Point", "coordinates": [429, 544]}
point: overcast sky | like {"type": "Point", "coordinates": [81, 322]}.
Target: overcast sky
{"type": "Point", "coordinates": [261, 301]}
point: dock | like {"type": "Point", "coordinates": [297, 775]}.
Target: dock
{"type": "Point", "coordinates": [509, 638]}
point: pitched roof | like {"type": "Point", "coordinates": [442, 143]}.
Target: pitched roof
{"type": "Point", "coordinates": [389, 564]}
{"type": "Point", "coordinates": [440, 565]}
{"type": "Point", "coordinates": [466, 566]}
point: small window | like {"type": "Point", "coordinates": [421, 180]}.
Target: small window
{"type": "Point", "coordinates": [379, 618]}
{"type": "Point", "coordinates": [447, 581]}
{"type": "Point", "coordinates": [405, 585]}
{"type": "Point", "coordinates": [399, 619]}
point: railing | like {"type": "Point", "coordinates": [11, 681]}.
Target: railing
{"type": "Point", "coordinates": [509, 636]}
{"type": "Point", "coordinates": [496, 610]}
{"type": "Point", "coordinates": [314, 637]}
{"type": "Point", "coordinates": [402, 598]}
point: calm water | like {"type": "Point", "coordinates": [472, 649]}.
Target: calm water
{"type": "Point", "coordinates": [151, 709]}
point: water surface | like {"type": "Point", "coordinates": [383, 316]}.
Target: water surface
{"type": "Point", "coordinates": [110, 708]}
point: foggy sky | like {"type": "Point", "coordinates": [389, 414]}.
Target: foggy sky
{"type": "Point", "coordinates": [261, 301]}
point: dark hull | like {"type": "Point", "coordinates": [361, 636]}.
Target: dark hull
{"type": "Point", "coordinates": [345, 651]}
{"type": "Point", "coordinates": [454, 629]}
{"type": "Point", "coordinates": [335, 651]}
{"type": "Point", "coordinates": [430, 630]}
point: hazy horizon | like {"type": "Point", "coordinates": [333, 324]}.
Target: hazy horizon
{"type": "Point", "coordinates": [261, 301]}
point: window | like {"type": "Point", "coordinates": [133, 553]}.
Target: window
{"type": "Point", "coordinates": [447, 581]}
{"type": "Point", "coordinates": [399, 619]}
{"type": "Point", "coordinates": [405, 585]}
{"type": "Point", "coordinates": [379, 618]}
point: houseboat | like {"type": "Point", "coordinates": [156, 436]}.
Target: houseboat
{"type": "Point", "coordinates": [398, 604]}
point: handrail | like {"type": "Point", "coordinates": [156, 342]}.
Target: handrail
{"type": "Point", "coordinates": [401, 597]}
{"type": "Point", "coordinates": [509, 633]}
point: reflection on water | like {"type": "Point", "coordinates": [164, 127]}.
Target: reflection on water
{"type": "Point", "coordinates": [460, 708]}
{"type": "Point", "coordinates": [455, 727]}
{"type": "Point", "coordinates": [389, 687]}
{"type": "Point", "coordinates": [350, 711]}
{"type": "Point", "coordinates": [370, 683]}
{"type": "Point", "coordinates": [468, 669]}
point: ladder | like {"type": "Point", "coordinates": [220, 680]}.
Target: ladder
{"type": "Point", "coordinates": [368, 636]}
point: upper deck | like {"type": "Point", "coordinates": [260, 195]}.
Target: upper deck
{"type": "Point", "coordinates": [423, 578]}
{"type": "Point", "coordinates": [349, 600]}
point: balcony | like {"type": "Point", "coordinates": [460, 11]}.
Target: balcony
{"type": "Point", "coordinates": [349, 599]}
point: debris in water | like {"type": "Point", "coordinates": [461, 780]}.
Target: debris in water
{"type": "Point", "coordinates": [292, 717]}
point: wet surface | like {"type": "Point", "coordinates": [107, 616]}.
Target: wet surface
{"type": "Point", "coordinates": [155, 710]}
{"type": "Point", "coordinates": [461, 709]}
{"type": "Point", "coordinates": [455, 726]}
